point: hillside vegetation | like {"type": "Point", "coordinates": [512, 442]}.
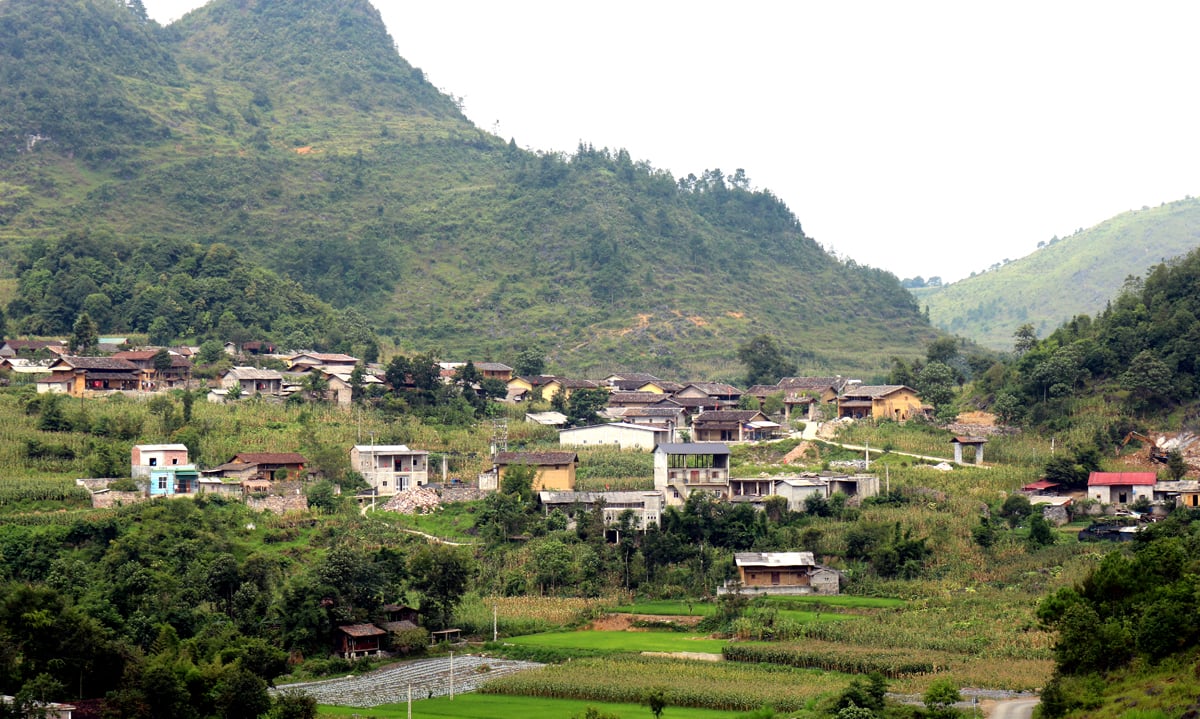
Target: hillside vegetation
{"type": "Point", "coordinates": [295, 134]}
{"type": "Point", "coordinates": [1066, 277]}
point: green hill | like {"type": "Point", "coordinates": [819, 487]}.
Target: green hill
{"type": "Point", "coordinates": [294, 133]}
{"type": "Point", "coordinates": [1074, 275]}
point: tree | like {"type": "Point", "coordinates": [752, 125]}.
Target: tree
{"type": "Point", "coordinates": [234, 392]}
{"type": "Point", "coordinates": [943, 349]}
{"type": "Point", "coordinates": [1024, 339]}
{"type": "Point", "coordinates": [518, 481]}
{"type": "Point", "coordinates": [1176, 464]}
{"type": "Point", "coordinates": [294, 705]}
{"type": "Point", "coordinates": [764, 360]}
{"type": "Point", "coordinates": [530, 362]}
{"type": "Point", "coordinates": [584, 406]}
{"type": "Point", "coordinates": [935, 384]}
{"type": "Point", "coordinates": [440, 574]}
{"type": "Point", "coordinates": [1008, 409]}
{"type": "Point", "coordinates": [656, 699]}
{"type": "Point", "coordinates": [316, 385]}
{"type": "Point", "coordinates": [1148, 378]}
{"type": "Point", "coordinates": [1041, 534]}
{"type": "Point", "coordinates": [940, 698]}
{"type": "Point", "coordinates": [1016, 507]}
{"type": "Point", "coordinates": [160, 332]}
{"type": "Point", "coordinates": [321, 496]}
{"type": "Point", "coordinates": [85, 338]}
{"type": "Point", "coordinates": [211, 351]}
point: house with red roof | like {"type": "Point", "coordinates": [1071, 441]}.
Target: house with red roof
{"type": "Point", "coordinates": [1121, 487]}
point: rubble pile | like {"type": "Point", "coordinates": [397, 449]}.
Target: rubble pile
{"type": "Point", "coordinates": [414, 501]}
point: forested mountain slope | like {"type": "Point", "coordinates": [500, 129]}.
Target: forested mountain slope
{"type": "Point", "coordinates": [1070, 276]}
{"type": "Point", "coordinates": [295, 134]}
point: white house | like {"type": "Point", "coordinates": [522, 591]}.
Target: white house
{"type": "Point", "coordinates": [390, 468]}
{"type": "Point", "coordinates": [625, 436]}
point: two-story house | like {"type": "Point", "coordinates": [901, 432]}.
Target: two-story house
{"type": "Point", "coordinates": [682, 468]}
{"type": "Point", "coordinates": [390, 468]}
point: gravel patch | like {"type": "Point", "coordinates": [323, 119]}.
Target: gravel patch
{"type": "Point", "coordinates": [428, 677]}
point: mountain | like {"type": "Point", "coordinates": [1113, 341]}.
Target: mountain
{"type": "Point", "coordinates": [292, 134]}
{"type": "Point", "coordinates": [1066, 277]}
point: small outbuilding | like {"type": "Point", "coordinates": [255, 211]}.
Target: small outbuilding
{"type": "Point", "coordinates": [975, 443]}
{"type": "Point", "coordinates": [784, 573]}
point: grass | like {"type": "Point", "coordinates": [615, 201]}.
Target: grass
{"type": "Point", "coordinates": [454, 521]}
{"type": "Point", "coordinates": [493, 706]}
{"type": "Point", "coordinates": [616, 642]}
{"type": "Point", "coordinates": [702, 609]}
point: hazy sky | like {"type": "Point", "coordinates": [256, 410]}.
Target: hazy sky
{"type": "Point", "coordinates": [926, 138]}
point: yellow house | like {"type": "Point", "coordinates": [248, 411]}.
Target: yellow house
{"type": "Point", "coordinates": [886, 401]}
{"type": "Point", "coordinates": [555, 470]}
{"type": "Point", "coordinates": [567, 386]}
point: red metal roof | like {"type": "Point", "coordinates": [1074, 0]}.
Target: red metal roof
{"type": "Point", "coordinates": [1040, 485]}
{"type": "Point", "coordinates": [1109, 479]}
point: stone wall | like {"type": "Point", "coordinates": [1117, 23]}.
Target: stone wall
{"type": "Point", "coordinates": [108, 500]}
{"type": "Point", "coordinates": [461, 493]}
{"type": "Point", "coordinates": [279, 505]}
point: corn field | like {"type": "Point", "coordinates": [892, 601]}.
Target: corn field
{"type": "Point", "coordinates": [727, 686]}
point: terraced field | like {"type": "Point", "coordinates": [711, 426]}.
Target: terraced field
{"type": "Point", "coordinates": [428, 678]}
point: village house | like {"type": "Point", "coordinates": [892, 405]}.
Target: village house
{"type": "Point", "coordinates": [322, 360]}
{"type": "Point", "coordinates": [390, 468]}
{"type": "Point", "coordinates": [79, 376]}
{"type": "Point", "coordinates": [782, 573]}
{"type": "Point", "coordinates": [33, 349]}
{"type": "Point", "coordinates": [354, 641]}
{"type": "Point", "coordinates": [645, 507]}
{"type": "Point", "coordinates": [567, 387]}
{"type": "Point", "coordinates": [895, 402]}
{"type": "Point", "coordinates": [668, 418]}
{"type": "Point", "coordinates": [145, 457]}
{"type": "Point", "coordinates": [554, 470]}
{"type": "Point", "coordinates": [682, 468]}
{"type": "Point", "coordinates": [624, 436]}
{"type": "Point", "coordinates": [24, 367]}
{"type": "Point", "coordinates": [176, 374]}
{"type": "Point", "coordinates": [548, 419]}
{"type": "Point", "coordinates": [635, 382]}
{"type": "Point", "coordinates": [732, 425]}
{"type": "Point", "coordinates": [524, 389]}
{"type": "Point", "coordinates": [1121, 487]}
{"type": "Point", "coordinates": [174, 481]}
{"type": "Point", "coordinates": [797, 489]}
{"type": "Point", "coordinates": [268, 466]}
{"type": "Point", "coordinates": [708, 395]}
{"type": "Point", "coordinates": [253, 380]}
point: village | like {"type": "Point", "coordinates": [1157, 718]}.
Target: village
{"type": "Point", "coordinates": [687, 426]}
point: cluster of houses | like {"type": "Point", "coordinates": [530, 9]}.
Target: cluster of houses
{"type": "Point", "coordinates": [1115, 490]}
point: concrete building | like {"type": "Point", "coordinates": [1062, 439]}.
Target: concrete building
{"type": "Point", "coordinates": [684, 467]}
{"type": "Point", "coordinates": [390, 468]}
{"type": "Point", "coordinates": [145, 457]}
{"type": "Point", "coordinates": [618, 434]}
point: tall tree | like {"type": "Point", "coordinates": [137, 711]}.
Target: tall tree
{"type": "Point", "coordinates": [85, 337]}
{"type": "Point", "coordinates": [764, 360]}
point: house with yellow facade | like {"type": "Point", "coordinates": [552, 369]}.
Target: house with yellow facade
{"type": "Point", "coordinates": [555, 470]}
{"type": "Point", "coordinates": [886, 401]}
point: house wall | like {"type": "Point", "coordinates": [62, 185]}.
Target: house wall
{"type": "Point", "coordinates": [550, 477]}
{"type": "Point", "coordinates": [1121, 493]}
{"type": "Point", "coordinates": [898, 405]}
{"type": "Point", "coordinates": [141, 460]}
{"type": "Point", "coordinates": [774, 576]}
{"type": "Point", "coordinates": [623, 437]}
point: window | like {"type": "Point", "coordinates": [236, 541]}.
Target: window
{"type": "Point", "coordinates": [174, 460]}
{"type": "Point", "coordinates": [162, 483]}
{"type": "Point", "coordinates": [154, 461]}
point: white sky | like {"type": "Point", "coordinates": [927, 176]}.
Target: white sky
{"type": "Point", "coordinates": [925, 138]}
